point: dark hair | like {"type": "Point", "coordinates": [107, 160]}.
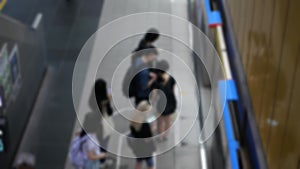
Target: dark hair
{"type": "Point", "coordinates": [100, 90]}
{"type": "Point", "coordinates": [82, 133]}
{"type": "Point", "coordinates": [151, 35]}
{"type": "Point", "coordinates": [101, 95]}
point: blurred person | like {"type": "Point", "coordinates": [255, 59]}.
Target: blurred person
{"type": "Point", "coordinates": [166, 84]}
{"type": "Point", "coordinates": [147, 42]}
{"type": "Point", "coordinates": [143, 80]}
{"type": "Point", "coordinates": [144, 146]}
{"type": "Point", "coordinates": [150, 37]}
{"type": "Point", "coordinates": [103, 101]}
{"type": "Point", "coordinates": [84, 152]}
{"type": "Point", "coordinates": [103, 98]}
{"type": "Point", "coordinates": [139, 78]}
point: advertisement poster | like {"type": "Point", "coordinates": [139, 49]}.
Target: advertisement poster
{"type": "Point", "coordinates": [5, 78]}
{"type": "Point", "coordinates": [15, 75]}
{"type": "Point", "coordinates": [14, 65]}
{"type": "Point", "coordinates": [9, 74]}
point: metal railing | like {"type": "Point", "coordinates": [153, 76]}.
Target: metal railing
{"type": "Point", "coordinates": [242, 137]}
{"type": "Point", "coordinates": [227, 88]}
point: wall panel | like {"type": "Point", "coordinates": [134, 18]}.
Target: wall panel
{"type": "Point", "coordinates": [255, 58]}
{"type": "Point", "coordinates": [290, 153]}
{"type": "Point", "coordinates": [248, 24]}
{"type": "Point", "coordinates": [284, 90]}
{"type": "Point", "coordinates": [278, 30]}
{"type": "Point", "coordinates": [265, 50]}
{"type": "Point", "coordinates": [269, 42]}
{"type": "Point", "coordinates": [240, 35]}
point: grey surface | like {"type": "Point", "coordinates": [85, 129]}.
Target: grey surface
{"type": "Point", "coordinates": [182, 156]}
{"type": "Point", "coordinates": [67, 26]}
{"type": "Point", "coordinates": [17, 107]}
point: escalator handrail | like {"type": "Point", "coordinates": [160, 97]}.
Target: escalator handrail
{"type": "Point", "coordinates": [225, 86]}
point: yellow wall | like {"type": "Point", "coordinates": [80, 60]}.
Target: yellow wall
{"type": "Point", "coordinates": [268, 34]}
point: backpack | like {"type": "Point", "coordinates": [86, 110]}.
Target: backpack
{"type": "Point", "coordinates": [76, 154]}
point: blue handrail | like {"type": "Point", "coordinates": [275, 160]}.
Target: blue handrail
{"type": "Point", "coordinates": [228, 93]}
{"type": "Point", "coordinates": [213, 17]}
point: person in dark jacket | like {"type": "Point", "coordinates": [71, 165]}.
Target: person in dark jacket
{"type": "Point", "coordinates": [144, 78]}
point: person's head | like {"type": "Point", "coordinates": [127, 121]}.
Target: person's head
{"type": "Point", "coordinates": [149, 54]}
{"type": "Point", "coordinates": [151, 35]}
{"type": "Point", "coordinates": [163, 66]}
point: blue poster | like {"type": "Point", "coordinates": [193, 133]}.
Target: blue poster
{"type": "Point", "coordinates": [14, 64]}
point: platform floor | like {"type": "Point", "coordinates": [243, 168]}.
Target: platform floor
{"type": "Point", "coordinates": [187, 154]}
{"type": "Point", "coordinates": [53, 121]}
